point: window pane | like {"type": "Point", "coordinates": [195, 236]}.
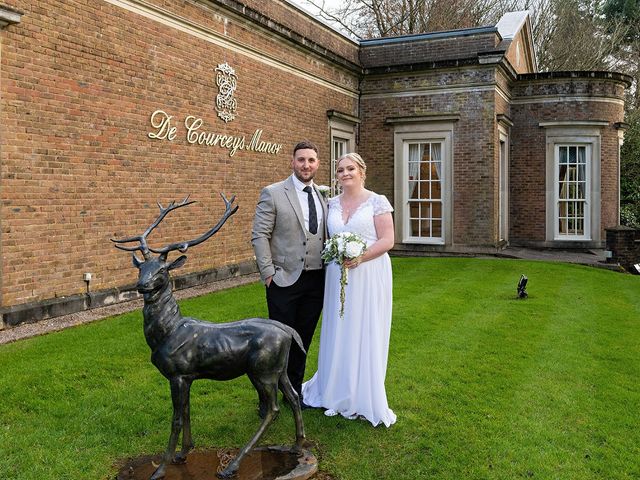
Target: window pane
{"type": "Point", "coordinates": [582, 155]}
{"type": "Point", "coordinates": [436, 229]}
{"type": "Point", "coordinates": [437, 210]}
{"type": "Point", "coordinates": [563, 226]}
{"type": "Point", "coordinates": [563, 155]}
{"type": "Point", "coordinates": [582, 173]}
{"type": "Point", "coordinates": [415, 228]}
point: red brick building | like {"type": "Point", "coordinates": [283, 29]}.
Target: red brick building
{"type": "Point", "coordinates": [108, 106]}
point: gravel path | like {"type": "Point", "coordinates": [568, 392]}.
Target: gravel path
{"type": "Point", "coordinates": [27, 330]}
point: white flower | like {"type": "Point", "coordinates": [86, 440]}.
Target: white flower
{"type": "Point", "coordinates": [324, 190]}
{"type": "Point", "coordinates": [338, 248]}
{"type": "Point", "coordinates": [354, 249]}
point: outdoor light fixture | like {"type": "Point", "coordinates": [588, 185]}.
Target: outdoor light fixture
{"type": "Point", "coordinates": [522, 287]}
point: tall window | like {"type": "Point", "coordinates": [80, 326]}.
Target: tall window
{"type": "Point", "coordinates": [342, 128]}
{"type": "Point", "coordinates": [503, 188]}
{"type": "Point", "coordinates": [424, 161]}
{"type": "Point", "coordinates": [572, 192]}
{"type": "Point", "coordinates": [423, 197]}
{"type": "Point", "coordinates": [339, 147]}
{"type": "Point", "coordinates": [572, 186]}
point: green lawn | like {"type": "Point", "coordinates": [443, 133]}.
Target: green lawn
{"type": "Point", "coordinates": [485, 386]}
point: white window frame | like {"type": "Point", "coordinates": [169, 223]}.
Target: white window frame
{"type": "Point", "coordinates": [423, 133]}
{"type": "Point", "coordinates": [504, 184]}
{"type": "Point", "coordinates": [341, 130]}
{"type": "Point", "coordinates": [586, 133]}
{"type": "Point", "coordinates": [587, 194]}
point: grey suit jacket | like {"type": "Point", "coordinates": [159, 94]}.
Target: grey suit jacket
{"type": "Point", "coordinates": [279, 235]}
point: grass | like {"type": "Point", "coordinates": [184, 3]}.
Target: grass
{"type": "Point", "coordinates": [485, 386]}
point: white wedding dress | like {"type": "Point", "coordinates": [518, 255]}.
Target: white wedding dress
{"type": "Point", "coordinates": [352, 361]}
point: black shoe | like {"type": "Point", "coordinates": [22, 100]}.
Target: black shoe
{"type": "Point", "coordinates": [304, 406]}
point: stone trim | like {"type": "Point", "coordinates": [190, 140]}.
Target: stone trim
{"type": "Point", "coordinates": [620, 77]}
{"type": "Point", "coordinates": [421, 66]}
{"type": "Point", "coordinates": [343, 117]}
{"type": "Point", "coordinates": [503, 119]}
{"type": "Point", "coordinates": [575, 123]}
{"type": "Point", "coordinates": [434, 117]}
{"type": "Point", "coordinates": [9, 16]}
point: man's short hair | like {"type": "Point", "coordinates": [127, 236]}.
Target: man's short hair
{"type": "Point", "coordinates": [304, 145]}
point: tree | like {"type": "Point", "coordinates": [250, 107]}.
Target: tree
{"type": "Point", "coordinates": [568, 34]}
{"type": "Point", "coordinates": [576, 35]}
{"type": "Point", "coordinates": [384, 18]}
{"type": "Point", "coordinates": [627, 12]}
{"type": "Point", "coordinates": [630, 173]}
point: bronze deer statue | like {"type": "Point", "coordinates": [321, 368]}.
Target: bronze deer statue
{"type": "Point", "coordinates": [185, 349]}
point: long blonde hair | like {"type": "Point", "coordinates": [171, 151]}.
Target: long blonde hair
{"type": "Point", "coordinates": [357, 159]}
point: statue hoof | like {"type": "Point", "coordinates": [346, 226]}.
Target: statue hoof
{"type": "Point", "coordinates": [228, 472]}
{"type": "Point", "coordinates": [180, 459]}
{"type": "Point", "coordinates": [159, 473]}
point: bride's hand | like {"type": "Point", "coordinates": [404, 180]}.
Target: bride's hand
{"type": "Point", "coordinates": [353, 262]}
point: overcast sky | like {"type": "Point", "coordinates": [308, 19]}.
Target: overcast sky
{"type": "Point", "coordinates": [312, 9]}
{"type": "Point", "coordinates": [329, 4]}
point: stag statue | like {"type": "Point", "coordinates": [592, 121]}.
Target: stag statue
{"type": "Point", "coordinates": [185, 349]}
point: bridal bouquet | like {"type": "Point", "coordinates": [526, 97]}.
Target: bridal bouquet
{"type": "Point", "coordinates": [340, 247]}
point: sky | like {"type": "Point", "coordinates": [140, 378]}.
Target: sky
{"type": "Point", "coordinates": [309, 7]}
{"type": "Point", "coordinates": [329, 4]}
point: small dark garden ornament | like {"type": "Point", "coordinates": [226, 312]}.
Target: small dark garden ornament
{"type": "Point", "coordinates": [185, 349]}
{"type": "Point", "coordinates": [522, 287]}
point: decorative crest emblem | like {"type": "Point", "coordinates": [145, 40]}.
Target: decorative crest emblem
{"type": "Point", "coordinates": [226, 103]}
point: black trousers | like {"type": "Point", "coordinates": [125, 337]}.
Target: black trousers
{"type": "Point", "coordinates": [298, 306]}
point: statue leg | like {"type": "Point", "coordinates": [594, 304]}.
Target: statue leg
{"type": "Point", "coordinates": [187, 441]}
{"type": "Point", "coordinates": [292, 396]}
{"type": "Point", "coordinates": [269, 391]}
{"type": "Point", "coordinates": [178, 398]}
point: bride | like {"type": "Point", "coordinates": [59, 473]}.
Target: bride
{"type": "Point", "coordinates": [352, 362]}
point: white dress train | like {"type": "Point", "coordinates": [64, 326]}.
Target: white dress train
{"type": "Point", "coordinates": [352, 361]}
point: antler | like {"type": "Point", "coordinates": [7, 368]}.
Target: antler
{"type": "Point", "coordinates": [143, 247]}
{"type": "Point", "coordinates": [183, 246]}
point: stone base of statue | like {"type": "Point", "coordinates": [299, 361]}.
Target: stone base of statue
{"type": "Point", "coordinates": [262, 463]}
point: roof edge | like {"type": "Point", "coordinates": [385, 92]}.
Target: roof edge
{"type": "Point", "coordinates": [463, 32]}
{"type": "Point", "coordinates": [586, 74]}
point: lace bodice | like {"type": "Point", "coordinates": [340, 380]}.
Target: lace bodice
{"type": "Point", "coordinates": [360, 221]}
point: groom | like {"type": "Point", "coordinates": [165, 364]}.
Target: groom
{"type": "Point", "coordinates": [288, 235]}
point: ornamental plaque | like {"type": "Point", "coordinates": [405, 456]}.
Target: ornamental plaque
{"type": "Point", "coordinates": [226, 103]}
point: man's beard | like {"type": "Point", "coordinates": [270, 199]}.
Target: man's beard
{"type": "Point", "coordinates": [312, 175]}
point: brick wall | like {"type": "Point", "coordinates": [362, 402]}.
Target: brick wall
{"type": "Point", "coordinates": [474, 168]}
{"type": "Point", "coordinates": [557, 97]}
{"type": "Point", "coordinates": [80, 80]}
{"type": "Point", "coordinates": [624, 245]}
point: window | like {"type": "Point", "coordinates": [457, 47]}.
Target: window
{"type": "Point", "coordinates": [572, 192]}
{"type": "Point", "coordinates": [503, 192]}
{"type": "Point", "coordinates": [424, 190]}
{"type": "Point", "coordinates": [339, 147]}
{"type": "Point", "coordinates": [423, 179]}
{"type": "Point", "coordinates": [573, 181]}
{"type": "Point", "coordinates": [343, 141]}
